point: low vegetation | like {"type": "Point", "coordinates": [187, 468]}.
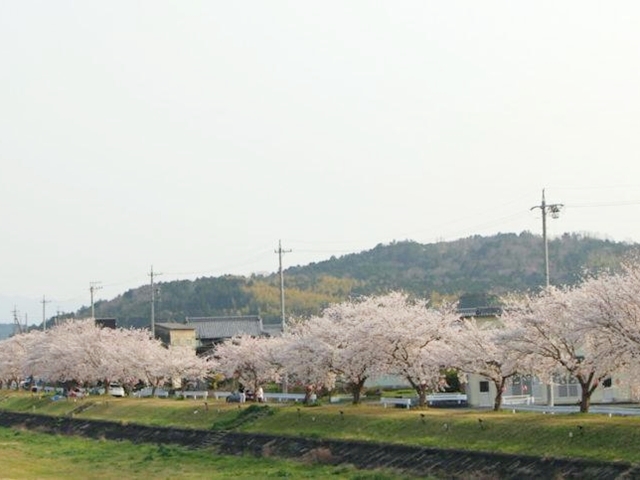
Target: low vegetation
{"type": "Point", "coordinates": [589, 436]}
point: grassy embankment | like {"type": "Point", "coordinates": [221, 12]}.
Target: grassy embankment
{"type": "Point", "coordinates": [576, 435]}
{"type": "Point", "coordinates": [34, 455]}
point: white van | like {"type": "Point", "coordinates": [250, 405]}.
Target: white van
{"type": "Point", "coordinates": [116, 390]}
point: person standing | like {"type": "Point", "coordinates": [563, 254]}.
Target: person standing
{"type": "Point", "coordinates": [243, 397]}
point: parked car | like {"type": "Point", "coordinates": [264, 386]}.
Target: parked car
{"type": "Point", "coordinates": [116, 390]}
{"type": "Point", "coordinates": [77, 392]}
{"type": "Point", "coordinates": [233, 398]}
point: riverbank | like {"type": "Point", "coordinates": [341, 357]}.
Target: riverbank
{"type": "Point", "coordinates": [528, 442]}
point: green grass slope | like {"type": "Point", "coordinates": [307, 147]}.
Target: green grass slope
{"type": "Point", "coordinates": [589, 436]}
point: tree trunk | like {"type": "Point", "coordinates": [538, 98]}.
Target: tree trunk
{"type": "Point", "coordinates": [421, 390]}
{"type": "Point", "coordinates": [307, 394]}
{"type": "Point", "coordinates": [356, 390]}
{"type": "Point", "coordinates": [585, 397]}
{"type": "Point", "coordinates": [587, 385]}
{"type": "Point", "coordinates": [497, 401]}
{"type": "Point", "coordinates": [585, 403]}
{"type": "Point", "coordinates": [422, 397]}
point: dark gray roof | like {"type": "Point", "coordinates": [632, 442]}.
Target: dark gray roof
{"type": "Point", "coordinates": [480, 312]}
{"type": "Point", "coordinates": [175, 326]}
{"type": "Point", "coordinates": [226, 327]}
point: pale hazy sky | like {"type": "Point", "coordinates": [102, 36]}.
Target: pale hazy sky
{"type": "Point", "coordinates": [193, 135]}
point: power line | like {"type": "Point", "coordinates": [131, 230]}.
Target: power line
{"type": "Point", "coordinates": [608, 204]}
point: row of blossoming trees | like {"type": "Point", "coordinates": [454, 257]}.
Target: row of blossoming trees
{"type": "Point", "coordinates": [589, 332]}
{"type": "Point", "coordinates": [82, 353]}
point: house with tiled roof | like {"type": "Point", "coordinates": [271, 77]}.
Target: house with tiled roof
{"type": "Point", "coordinates": [176, 334]}
{"type": "Point", "coordinates": [210, 331]}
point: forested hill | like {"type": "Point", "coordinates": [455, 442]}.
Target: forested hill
{"type": "Point", "coordinates": [475, 270]}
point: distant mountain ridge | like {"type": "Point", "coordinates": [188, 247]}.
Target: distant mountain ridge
{"type": "Point", "coordinates": [474, 270]}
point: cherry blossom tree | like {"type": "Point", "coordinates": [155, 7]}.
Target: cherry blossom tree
{"type": "Point", "coordinates": [478, 348]}
{"type": "Point", "coordinates": [305, 358]}
{"type": "Point", "coordinates": [611, 305]}
{"type": "Point", "coordinates": [370, 336]}
{"type": "Point", "coordinates": [79, 352]}
{"type": "Point", "coordinates": [552, 329]}
{"type": "Point", "coordinates": [56, 356]}
{"type": "Point", "coordinates": [250, 360]}
{"type": "Point", "coordinates": [183, 364]}
{"type": "Point", "coordinates": [413, 339]}
{"type": "Point", "coordinates": [350, 337]}
{"type": "Point", "coordinates": [152, 366]}
{"type": "Point", "coordinates": [13, 352]}
{"type": "Point", "coordinates": [138, 358]}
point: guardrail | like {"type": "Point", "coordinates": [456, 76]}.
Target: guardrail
{"type": "Point", "coordinates": [193, 394]}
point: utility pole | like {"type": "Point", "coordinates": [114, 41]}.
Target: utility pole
{"type": "Point", "coordinates": [17, 327]}
{"type": "Point", "coordinates": [153, 302]}
{"type": "Point", "coordinates": [554, 210]}
{"type": "Point", "coordinates": [280, 253]}
{"type": "Point", "coordinates": [44, 301]}
{"type": "Point", "coordinates": [93, 286]}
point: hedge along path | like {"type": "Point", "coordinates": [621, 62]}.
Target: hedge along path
{"type": "Point", "coordinates": [413, 460]}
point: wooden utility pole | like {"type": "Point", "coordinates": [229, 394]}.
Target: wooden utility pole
{"type": "Point", "coordinates": [153, 303]}
{"type": "Point", "coordinates": [17, 327]}
{"type": "Point", "coordinates": [554, 210]}
{"type": "Point", "coordinates": [93, 286]}
{"type": "Point", "coordinates": [280, 253]}
{"type": "Point", "coordinates": [44, 301]}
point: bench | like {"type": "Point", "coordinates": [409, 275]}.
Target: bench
{"type": "Point", "coordinates": [402, 402]}
{"type": "Point", "coordinates": [517, 400]}
{"type": "Point", "coordinates": [284, 397]}
{"type": "Point", "coordinates": [193, 394]}
{"type": "Point", "coordinates": [447, 400]}
{"type": "Point", "coordinates": [146, 392]}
